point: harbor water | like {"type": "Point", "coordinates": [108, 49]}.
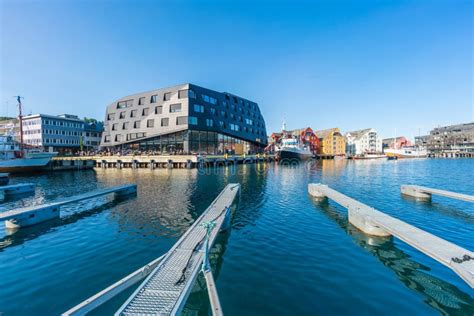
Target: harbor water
{"type": "Point", "coordinates": [286, 253]}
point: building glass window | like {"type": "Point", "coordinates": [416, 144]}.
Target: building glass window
{"type": "Point", "coordinates": [115, 126]}
{"type": "Point", "coordinates": [182, 94]}
{"type": "Point", "coordinates": [175, 108]}
{"type": "Point", "coordinates": [145, 111]}
{"type": "Point", "coordinates": [133, 113]}
{"type": "Point", "coordinates": [193, 120]}
{"type": "Point", "coordinates": [110, 116]}
{"type": "Point", "coordinates": [106, 139]}
{"type": "Point", "coordinates": [209, 122]}
{"type": "Point", "coordinates": [141, 101]}
{"type": "Point", "coordinates": [124, 104]}
{"type": "Point", "coordinates": [205, 98]}
{"type": "Point", "coordinates": [167, 96]}
{"type": "Point", "coordinates": [213, 111]}
{"type": "Point", "coordinates": [165, 121]}
{"type": "Point", "coordinates": [136, 124]}
{"type": "Point", "coordinates": [125, 125]}
{"type": "Point", "coordinates": [153, 98]}
{"type": "Point", "coordinates": [150, 123]}
{"type": "Point", "coordinates": [198, 108]}
{"type": "Point", "coordinates": [181, 120]}
{"type": "Point", "coordinates": [159, 109]}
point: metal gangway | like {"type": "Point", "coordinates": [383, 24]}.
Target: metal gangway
{"type": "Point", "coordinates": [374, 222]}
{"type": "Point", "coordinates": [170, 278]}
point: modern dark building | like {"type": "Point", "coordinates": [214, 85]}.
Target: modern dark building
{"type": "Point", "coordinates": [184, 119]}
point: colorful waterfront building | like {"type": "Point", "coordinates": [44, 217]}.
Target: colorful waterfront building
{"type": "Point", "coordinates": [396, 142]}
{"type": "Point", "coordinates": [332, 142]}
{"type": "Point", "coordinates": [362, 142]}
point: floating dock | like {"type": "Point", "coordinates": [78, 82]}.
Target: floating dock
{"type": "Point", "coordinates": [425, 193]}
{"type": "Point", "coordinates": [166, 289]}
{"type": "Point", "coordinates": [36, 214]}
{"type": "Point", "coordinates": [16, 189]}
{"type": "Point", "coordinates": [376, 223]}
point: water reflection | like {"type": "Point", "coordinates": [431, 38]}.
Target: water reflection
{"type": "Point", "coordinates": [16, 237]}
{"type": "Point", "coordinates": [445, 209]}
{"type": "Point", "coordinates": [442, 296]}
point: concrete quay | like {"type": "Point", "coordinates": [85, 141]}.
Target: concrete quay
{"type": "Point", "coordinates": [156, 161]}
{"type": "Point", "coordinates": [374, 222]}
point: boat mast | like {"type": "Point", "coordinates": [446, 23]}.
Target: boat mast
{"type": "Point", "coordinates": [20, 117]}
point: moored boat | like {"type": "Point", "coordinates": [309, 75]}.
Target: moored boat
{"type": "Point", "coordinates": [13, 159]}
{"type": "Point", "coordinates": [368, 156]}
{"type": "Point", "coordinates": [406, 152]}
{"type": "Point", "coordinates": [292, 149]}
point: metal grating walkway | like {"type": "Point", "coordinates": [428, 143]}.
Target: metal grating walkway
{"type": "Point", "coordinates": [160, 294]}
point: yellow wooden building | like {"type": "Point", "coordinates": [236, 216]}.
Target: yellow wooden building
{"type": "Point", "coordinates": [332, 142]}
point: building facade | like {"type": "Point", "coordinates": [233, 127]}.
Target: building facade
{"type": "Point", "coordinates": [332, 142]}
{"type": "Point", "coordinates": [452, 138]}
{"type": "Point", "coordinates": [92, 135]}
{"type": "Point", "coordinates": [11, 127]}
{"type": "Point", "coordinates": [184, 119]}
{"type": "Point", "coordinates": [362, 142]}
{"type": "Point", "coordinates": [396, 142]}
{"type": "Point", "coordinates": [63, 133]}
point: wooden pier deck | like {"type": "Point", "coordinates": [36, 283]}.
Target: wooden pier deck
{"type": "Point", "coordinates": [32, 215]}
{"type": "Point", "coordinates": [374, 222]}
{"type": "Point", "coordinates": [165, 290]}
{"type": "Point", "coordinates": [420, 192]}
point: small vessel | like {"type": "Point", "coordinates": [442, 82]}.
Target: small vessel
{"type": "Point", "coordinates": [406, 152]}
{"type": "Point", "coordinates": [14, 158]}
{"type": "Point", "coordinates": [368, 156]}
{"type": "Point", "coordinates": [290, 148]}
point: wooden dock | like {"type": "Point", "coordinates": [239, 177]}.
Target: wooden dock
{"type": "Point", "coordinates": [425, 193]}
{"type": "Point", "coordinates": [169, 278]}
{"type": "Point", "coordinates": [374, 222]}
{"type": "Point", "coordinates": [33, 215]}
{"type": "Point", "coordinates": [16, 189]}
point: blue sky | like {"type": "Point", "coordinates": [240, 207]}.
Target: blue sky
{"type": "Point", "coordinates": [399, 66]}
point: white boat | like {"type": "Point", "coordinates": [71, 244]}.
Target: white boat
{"type": "Point", "coordinates": [406, 152]}
{"type": "Point", "coordinates": [368, 156]}
{"type": "Point", "coordinates": [291, 149]}
{"type": "Point", "coordinates": [14, 159]}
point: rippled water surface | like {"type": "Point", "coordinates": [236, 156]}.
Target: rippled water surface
{"type": "Point", "coordinates": [285, 255]}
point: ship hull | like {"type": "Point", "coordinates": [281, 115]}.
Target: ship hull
{"type": "Point", "coordinates": [406, 153]}
{"type": "Point", "coordinates": [24, 164]}
{"type": "Point", "coordinates": [293, 154]}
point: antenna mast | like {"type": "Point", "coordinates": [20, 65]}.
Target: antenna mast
{"type": "Point", "coordinates": [20, 117]}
